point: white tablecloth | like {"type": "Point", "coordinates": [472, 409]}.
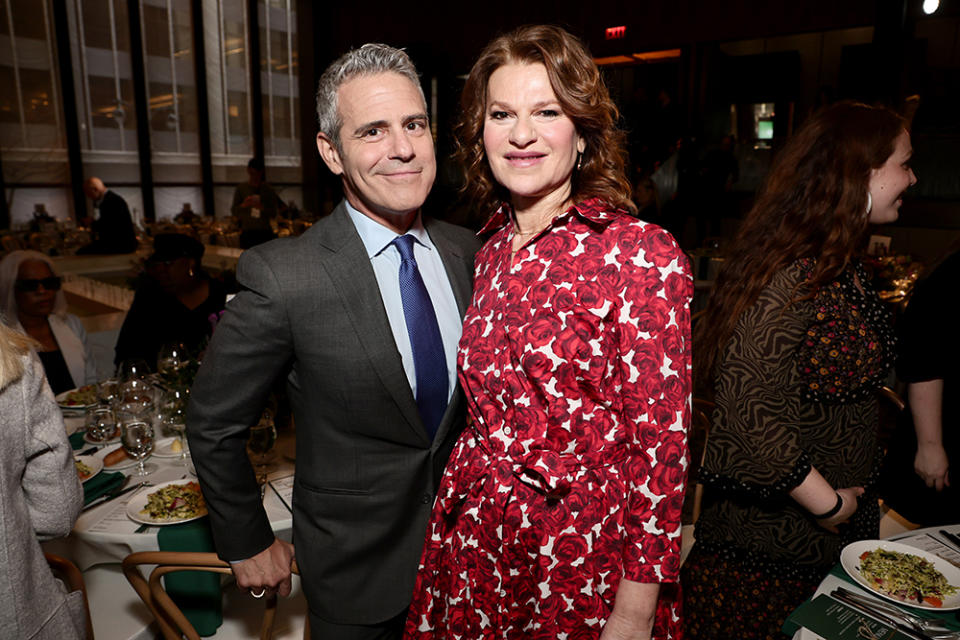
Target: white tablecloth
{"type": "Point", "coordinates": [104, 535]}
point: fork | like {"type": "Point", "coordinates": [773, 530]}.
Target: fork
{"type": "Point", "coordinates": [922, 624]}
{"type": "Point", "coordinates": [932, 628]}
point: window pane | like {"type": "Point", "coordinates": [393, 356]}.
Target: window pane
{"type": "Point", "coordinates": [9, 109]}
{"type": "Point", "coordinates": [28, 19]}
{"type": "Point", "coordinates": [156, 35]}
{"type": "Point", "coordinates": [96, 24]}
{"type": "Point", "coordinates": [37, 88]}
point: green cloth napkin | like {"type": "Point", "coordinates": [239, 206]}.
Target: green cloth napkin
{"type": "Point", "coordinates": [835, 620]}
{"type": "Point", "coordinates": [76, 440]}
{"type": "Point", "coordinates": [100, 484]}
{"type": "Point", "coordinates": [794, 621]}
{"type": "Point", "coordinates": [197, 593]}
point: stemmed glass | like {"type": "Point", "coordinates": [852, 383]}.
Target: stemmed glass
{"type": "Point", "coordinates": [107, 391]}
{"type": "Point", "coordinates": [172, 417]}
{"type": "Point", "coordinates": [101, 425]}
{"type": "Point", "coordinates": [263, 436]}
{"type": "Point", "coordinates": [136, 436]}
{"type": "Point", "coordinates": [132, 369]}
{"type": "Point", "coordinates": [170, 359]}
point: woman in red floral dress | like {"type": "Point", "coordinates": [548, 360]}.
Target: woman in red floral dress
{"type": "Point", "coordinates": [559, 513]}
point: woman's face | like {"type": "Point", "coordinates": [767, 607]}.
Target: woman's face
{"type": "Point", "coordinates": [530, 143]}
{"type": "Point", "coordinates": [887, 183]}
{"type": "Point", "coordinates": [172, 275]}
{"type": "Point", "coordinates": [39, 302]}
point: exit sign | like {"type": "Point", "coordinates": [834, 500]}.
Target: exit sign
{"type": "Point", "coordinates": [615, 33]}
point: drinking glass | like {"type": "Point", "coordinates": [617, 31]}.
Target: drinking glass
{"type": "Point", "coordinates": [170, 359]}
{"type": "Point", "coordinates": [263, 436]}
{"type": "Point", "coordinates": [101, 424]}
{"type": "Point", "coordinates": [136, 435]}
{"type": "Point", "coordinates": [172, 416]}
{"type": "Point", "coordinates": [132, 369]}
{"type": "Point", "coordinates": [107, 391]}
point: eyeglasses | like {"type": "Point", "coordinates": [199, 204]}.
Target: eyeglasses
{"type": "Point", "coordinates": [32, 284]}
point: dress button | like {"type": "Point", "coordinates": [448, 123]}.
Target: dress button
{"type": "Point", "coordinates": [507, 431]}
{"type": "Point", "coordinates": [426, 498]}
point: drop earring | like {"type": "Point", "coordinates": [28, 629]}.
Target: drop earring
{"type": "Point", "coordinates": [579, 160]}
{"type": "Point", "coordinates": [869, 202]}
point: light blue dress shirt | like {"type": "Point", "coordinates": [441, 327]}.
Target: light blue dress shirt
{"type": "Point", "coordinates": [385, 259]}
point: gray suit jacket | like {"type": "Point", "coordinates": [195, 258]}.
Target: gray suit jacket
{"type": "Point", "coordinates": [40, 498]}
{"type": "Point", "coordinates": [310, 310]}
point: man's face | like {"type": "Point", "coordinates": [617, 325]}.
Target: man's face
{"type": "Point", "coordinates": [386, 156]}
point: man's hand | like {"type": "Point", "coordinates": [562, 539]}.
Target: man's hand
{"type": "Point", "coordinates": [932, 465]}
{"type": "Point", "coordinates": [266, 572]}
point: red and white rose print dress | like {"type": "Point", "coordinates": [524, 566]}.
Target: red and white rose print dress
{"type": "Point", "coordinates": [575, 359]}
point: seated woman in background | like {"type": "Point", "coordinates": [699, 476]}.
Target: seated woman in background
{"type": "Point", "coordinates": [173, 304]}
{"type": "Point", "coordinates": [40, 498]}
{"type": "Point", "coordinates": [33, 302]}
{"type": "Point", "coordinates": [918, 480]}
{"type": "Point", "coordinates": [796, 344]}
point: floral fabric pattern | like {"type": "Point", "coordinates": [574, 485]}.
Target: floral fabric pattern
{"type": "Point", "coordinates": [846, 352]}
{"type": "Point", "coordinates": [575, 362]}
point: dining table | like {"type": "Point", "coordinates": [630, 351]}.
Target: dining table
{"type": "Point", "coordinates": [105, 534]}
{"type": "Point", "coordinates": [943, 541]}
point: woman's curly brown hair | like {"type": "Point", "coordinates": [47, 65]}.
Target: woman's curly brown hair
{"type": "Point", "coordinates": [813, 205]}
{"type": "Point", "coordinates": [583, 98]}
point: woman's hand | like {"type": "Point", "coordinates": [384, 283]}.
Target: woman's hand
{"type": "Point", "coordinates": [932, 465]}
{"type": "Point", "coordinates": [633, 612]}
{"type": "Point", "coordinates": [849, 497]}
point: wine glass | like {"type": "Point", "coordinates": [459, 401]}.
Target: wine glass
{"type": "Point", "coordinates": [169, 360]}
{"type": "Point", "coordinates": [107, 391]}
{"type": "Point", "coordinates": [101, 424]}
{"type": "Point", "coordinates": [136, 437]}
{"type": "Point", "coordinates": [132, 369]}
{"type": "Point", "coordinates": [263, 436]}
{"type": "Point", "coordinates": [172, 417]}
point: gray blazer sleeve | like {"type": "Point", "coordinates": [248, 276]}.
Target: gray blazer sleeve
{"type": "Point", "coordinates": [251, 347]}
{"type": "Point", "coordinates": [50, 485]}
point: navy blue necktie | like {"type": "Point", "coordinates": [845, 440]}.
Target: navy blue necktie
{"type": "Point", "coordinates": [429, 362]}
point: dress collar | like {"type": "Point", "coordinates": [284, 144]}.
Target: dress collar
{"type": "Point", "coordinates": [593, 210]}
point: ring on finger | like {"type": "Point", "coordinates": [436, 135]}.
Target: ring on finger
{"type": "Point", "coordinates": [258, 595]}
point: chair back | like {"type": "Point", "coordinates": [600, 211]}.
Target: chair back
{"type": "Point", "coordinates": [70, 575]}
{"type": "Point", "coordinates": [173, 624]}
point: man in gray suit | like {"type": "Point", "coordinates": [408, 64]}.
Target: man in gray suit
{"type": "Point", "coordinates": [339, 312]}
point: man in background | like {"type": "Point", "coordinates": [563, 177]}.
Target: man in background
{"type": "Point", "coordinates": [111, 224]}
{"type": "Point", "coordinates": [255, 204]}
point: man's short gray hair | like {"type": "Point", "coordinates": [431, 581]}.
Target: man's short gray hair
{"type": "Point", "coordinates": [367, 60]}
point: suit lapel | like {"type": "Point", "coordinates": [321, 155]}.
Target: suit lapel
{"type": "Point", "coordinates": [459, 268]}
{"type": "Point", "coordinates": [352, 274]}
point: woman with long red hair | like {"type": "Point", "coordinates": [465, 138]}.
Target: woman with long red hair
{"type": "Point", "coordinates": [558, 515]}
{"type": "Point", "coordinates": [795, 345]}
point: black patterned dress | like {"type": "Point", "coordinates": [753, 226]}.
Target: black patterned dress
{"type": "Point", "coordinates": [796, 387]}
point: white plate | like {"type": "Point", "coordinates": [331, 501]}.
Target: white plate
{"type": "Point", "coordinates": [850, 560]}
{"type": "Point", "coordinates": [139, 502]}
{"type": "Point", "coordinates": [95, 464]}
{"type": "Point", "coordinates": [163, 448]}
{"type": "Point", "coordinates": [125, 464]}
{"type": "Point", "coordinates": [62, 399]}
